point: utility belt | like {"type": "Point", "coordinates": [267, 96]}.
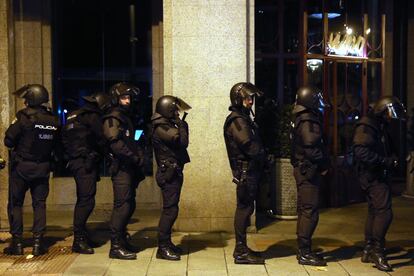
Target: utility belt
{"type": "Point", "coordinates": [91, 155]}
{"type": "Point", "coordinates": [240, 178]}
{"type": "Point", "coordinates": [20, 156]}
{"type": "Point", "coordinates": [306, 168]}
{"type": "Point", "coordinates": [372, 171]}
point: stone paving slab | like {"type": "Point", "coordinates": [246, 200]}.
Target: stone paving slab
{"type": "Point", "coordinates": [211, 253]}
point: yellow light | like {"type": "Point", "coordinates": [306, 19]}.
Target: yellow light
{"type": "Point", "coordinates": [368, 31]}
{"type": "Point", "coordinates": [349, 31]}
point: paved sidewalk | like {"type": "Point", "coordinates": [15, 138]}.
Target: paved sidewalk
{"type": "Point", "coordinates": [338, 237]}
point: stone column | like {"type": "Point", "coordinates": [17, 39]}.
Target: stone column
{"type": "Point", "coordinates": [6, 99]}
{"type": "Point", "coordinates": [208, 47]}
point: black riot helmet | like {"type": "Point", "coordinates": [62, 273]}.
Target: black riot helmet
{"type": "Point", "coordinates": [102, 100]}
{"type": "Point", "coordinates": [34, 94]}
{"type": "Point", "coordinates": [241, 91]}
{"type": "Point", "coordinates": [167, 106]}
{"type": "Point", "coordinates": [389, 108]}
{"type": "Point", "coordinates": [123, 88]}
{"type": "Point", "coordinates": [309, 98]}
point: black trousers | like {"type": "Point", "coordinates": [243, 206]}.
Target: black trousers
{"type": "Point", "coordinates": [379, 210]}
{"type": "Point", "coordinates": [124, 184]}
{"type": "Point", "coordinates": [246, 195]}
{"type": "Point", "coordinates": [39, 190]}
{"type": "Point", "coordinates": [307, 208]}
{"type": "Point", "coordinates": [85, 193]}
{"type": "Point", "coordinates": [170, 180]}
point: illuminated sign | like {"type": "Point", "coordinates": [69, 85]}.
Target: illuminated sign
{"type": "Point", "coordinates": [347, 44]}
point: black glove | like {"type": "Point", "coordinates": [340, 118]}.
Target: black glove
{"type": "Point", "coordinates": [390, 162]}
{"type": "Point", "coordinates": [2, 163]}
{"type": "Point", "coordinates": [138, 161]}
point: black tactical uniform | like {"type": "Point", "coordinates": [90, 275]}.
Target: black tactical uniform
{"type": "Point", "coordinates": [309, 160]}
{"type": "Point", "coordinates": [84, 143]}
{"type": "Point", "coordinates": [246, 156]}
{"type": "Point", "coordinates": [126, 168]}
{"type": "Point", "coordinates": [374, 160]}
{"type": "Point", "coordinates": [31, 137]}
{"type": "Point", "coordinates": [170, 142]}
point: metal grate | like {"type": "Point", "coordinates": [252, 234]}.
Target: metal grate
{"type": "Point", "coordinates": [56, 261]}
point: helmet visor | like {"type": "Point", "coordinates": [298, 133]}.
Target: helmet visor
{"type": "Point", "coordinates": [22, 91]}
{"type": "Point", "coordinates": [396, 111]}
{"type": "Point", "coordinates": [182, 105]}
{"type": "Point", "coordinates": [252, 90]}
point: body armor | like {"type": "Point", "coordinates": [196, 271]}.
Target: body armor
{"type": "Point", "coordinates": [169, 145]}
{"type": "Point", "coordinates": [77, 136]}
{"type": "Point", "coordinates": [38, 134]}
{"type": "Point", "coordinates": [244, 143]}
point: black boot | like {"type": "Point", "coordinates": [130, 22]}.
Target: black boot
{"type": "Point", "coordinates": [126, 241]}
{"type": "Point", "coordinates": [366, 252]}
{"type": "Point", "coordinates": [307, 257]}
{"type": "Point", "coordinates": [175, 248]}
{"type": "Point", "coordinates": [167, 253]}
{"type": "Point", "coordinates": [244, 255]}
{"type": "Point", "coordinates": [378, 257]}
{"type": "Point", "coordinates": [80, 245]}
{"type": "Point", "coordinates": [119, 252]}
{"type": "Point", "coordinates": [15, 247]}
{"type": "Point", "coordinates": [38, 245]}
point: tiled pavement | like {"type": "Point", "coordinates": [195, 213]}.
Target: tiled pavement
{"type": "Point", "coordinates": [338, 238]}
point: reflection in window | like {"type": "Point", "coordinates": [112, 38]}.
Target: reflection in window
{"type": "Point", "coordinates": [314, 69]}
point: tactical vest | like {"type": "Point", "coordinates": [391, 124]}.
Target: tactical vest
{"type": "Point", "coordinates": [234, 153]}
{"type": "Point", "coordinates": [126, 129]}
{"type": "Point", "coordinates": [77, 137]}
{"type": "Point", "coordinates": [162, 151]}
{"type": "Point", "coordinates": [297, 146]}
{"type": "Point", "coordinates": [377, 142]}
{"type": "Point", "coordinates": [39, 136]}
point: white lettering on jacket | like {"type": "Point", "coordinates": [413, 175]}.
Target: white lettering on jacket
{"type": "Point", "coordinates": [46, 127]}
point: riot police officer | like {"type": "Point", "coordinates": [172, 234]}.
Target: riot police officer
{"type": "Point", "coordinates": [32, 137]}
{"type": "Point", "coordinates": [126, 166]}
{"type": "Point", "coordinates": [246, 156]}
{"type": "Point", "coordinates": [374, 160]}
{"type": "Point", "coordinates": [310, 161]}
{"type": "Point", "coordinates": [84, 143]}
{"type": "Point", "coordinates": [170, 142]}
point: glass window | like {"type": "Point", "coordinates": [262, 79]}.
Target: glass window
{"type": "Point", "coordinates": [374, 81]}
{"type": "Point", "coordinates": [266, 24]}
{"type": "Point", "coordinates": [93, 49]}
{"type": "Point", "coordinates": [291, 26]}
{"type": "Point", "coordinates": [291, 81]}
{"type": "Point", "coordinates": [314, 69]}
{"type": "Point", "coordinates": [315, 26]}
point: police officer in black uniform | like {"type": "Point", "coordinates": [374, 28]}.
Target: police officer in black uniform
{"type": "Point", "coordinates": [374, 160]}
{"type": "Point", "coordinates": [246, 156]}
{"type": "Point", "coordinates": [32, 138]}
{"type": "Point", "coordinates": [84, 144]}
{"type": "Point", "coordinates": [126, 167]}
{"type": "Point", "coordinates": [310, 161]}
{"type": "Point", "coordinates": [170, 142]}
